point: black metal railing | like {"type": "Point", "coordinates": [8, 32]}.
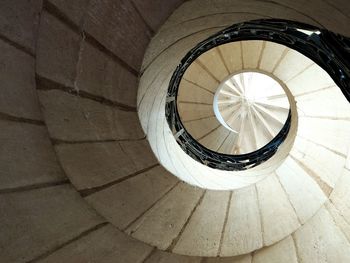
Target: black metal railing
{"type": "Point", "coordinates": [329, 50]}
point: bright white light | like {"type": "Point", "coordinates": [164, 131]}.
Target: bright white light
{"type": "Point", "coordinates": [248, 88]}
{"type": "Point", "coordinates": [309, 32]}
{"type": "Point", "coordinates": [251, 104]}
{"type": "Point", "coordinates": [258, 86]}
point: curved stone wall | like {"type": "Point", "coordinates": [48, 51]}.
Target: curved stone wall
{"type": "Point", "coordinates": [82, 61]}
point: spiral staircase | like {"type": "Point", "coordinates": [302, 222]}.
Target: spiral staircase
{"type": "Point", "coordinates": [91, 172]}
{"type": "Point", "coordinates": [244, 114]}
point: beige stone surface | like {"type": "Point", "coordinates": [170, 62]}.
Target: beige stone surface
{"type": "Point", "coordinates": [124, 202]}
{"type": "Point", "coordinates": [214, 62]}
{"type": "Point", "coordinates": [216, 139]}
{"type": "Point", "coordinates": [322, 161]}
{"type": "Point", "coordinates": [19, 21]}
{"type": "Point", "coordinates": [340, 196]}
{"type": "Point", "coordinates": [94, 164]}
{"type": "Point", "coordinates": [201, 77]}
{"type": "Point", "coordinates": [155, 12]}
{"type": "Point", "coordinates": [251, 53]}
{"type": "Point", "coordinates": [166, 62]}
{"type": "Point", "coordinates": [202, 235]}
{"type": "Point", "coordinates": [163, 223]}
{"type": "Point", "coordinates": [202, 11]}
{"type": "Point", "coordinates": [18, 95]}
{"type": "Point", "coordinates": [164, 257]}
{"type": "Point", "coordinates": [58, 50]}
{"type": "Point", "coordinates": [227, 146]}
{"type": "Point", "coordinates": [320, 240]}
{"type": "Point", "coordinates": [67, 116]}
{"type": "Point", "coordinates": [204, 8]}
{"type": "Point", "coordinates": [283, 251]}
{"type": "Point", "coordinates": [203, 127]}
{"type": "Point", "coordinates": [303, 192]}
{"type": "Point", "coordinates": [156, 77]}
{"type": "Point", "coordinates": [37, 221]}
{"type": "Point", "coordinates": [118, 27]}
{"type": "Point", "coordinates": [26, 156]}
{"type": "Point", "coordinates": [139, 152]}
{"type": "Point", "coordinates": [168, 36]}
{"type": "Point", "coordinates": [174, 163]}
{"type": "Point", "coordinates": [193, 112]}
{"type": "Point", "coordinates": [279, 221]}
{"type": "Point", "coordinates": [239, 259]}
{"type": "Point", "coordinates": [271, 56]}
{"type": "Point", "coordinates": [292, 65]}
{"type": "Point", "coordinates": [164, 151]}
{"type": "Point", "coordinates": [99, 74]}
{"type": "Point", "coordinates": [339, 219]}
{"type": "Point", "coordinates": [74, 10]}
{"type": "Point", "coordinates": [309, 103]}
{"type": "Point", "coordinates": [106, 244]}
{"type": "Point", "coordinates": [232, 55]}
{"type": "Point", "coordinates": [305, 80]}
{"type": "Point", "coordinates": [148, 99]}
{"type": "Point", "coordinates": [191, 92]}
{"type": "Point", "coordinates": [154, 128]}
{"type": "Point", "coordinates": [243, 232]}
{"type": "Point", "coordinates": [335, 135]}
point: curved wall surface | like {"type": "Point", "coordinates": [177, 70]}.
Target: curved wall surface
{"type": "Point", "coordinates": [78, 179]}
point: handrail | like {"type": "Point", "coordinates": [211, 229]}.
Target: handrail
{"type": "Point", "coordinates": [329, 50]}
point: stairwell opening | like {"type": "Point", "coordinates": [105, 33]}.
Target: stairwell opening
{"type": "Point", "coordinates": [254, 107]}
{"type": "Point", "coordinates": [187, 86]}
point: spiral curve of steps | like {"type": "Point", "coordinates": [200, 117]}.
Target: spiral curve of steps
{"type": "Point", "coordinates": [252, 103]}
{"type": "Point", "coordinates": [241, 114]}
{"type": "Point", "coordinates": [276, 206]}
{"type": "Point", "coordinates": [87, 183]}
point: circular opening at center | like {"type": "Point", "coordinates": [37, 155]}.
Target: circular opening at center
{"type": "Point", "coordinates": [254, 107]}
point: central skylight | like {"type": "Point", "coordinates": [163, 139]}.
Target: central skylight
{"type": "Point", "coordinates": [254, 107]}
